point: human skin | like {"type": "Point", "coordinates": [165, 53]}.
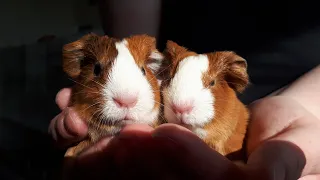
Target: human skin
{"type": "Point", "coordinates": [282, 139]}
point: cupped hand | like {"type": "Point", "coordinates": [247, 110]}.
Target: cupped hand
{"type": "Point", "coordinates": [168, 152]}
{"type": "Point", "coordinates": [282, 144]}
{"type": "Point", "coordinates": [66, 128]}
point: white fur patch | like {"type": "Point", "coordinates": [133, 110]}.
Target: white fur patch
{"type": "Point", "coordinates": [187, 86]}
{"type": "Point", "coordinates": [156, 55]}
{"type": "Point", "coordinates": [200, 132]}
{"type": "Point", "coordinates": [126, 78]}
{"type": "Point", "coordinates": [155, 61]}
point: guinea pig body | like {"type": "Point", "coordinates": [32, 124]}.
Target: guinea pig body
{"type": "Point", "coordinates": [115, 84]}
{"type": "Point", "coordinates": [200, 94]}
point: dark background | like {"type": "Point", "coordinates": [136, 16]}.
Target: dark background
{"type": "Point", "coordinates": [279, 39]}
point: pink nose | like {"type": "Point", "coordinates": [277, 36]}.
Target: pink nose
{"type": "Point", "coordinates": [182, 108]}
{"type": "Point", "coordinates": [126, 101]}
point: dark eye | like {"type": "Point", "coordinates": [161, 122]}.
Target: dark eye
{"type": "Point", "coordinates": [97, 69]}
{"type": "Point", "coordinates": [212, 83]}
{"type": "Point", "coordinates": [143, 71]}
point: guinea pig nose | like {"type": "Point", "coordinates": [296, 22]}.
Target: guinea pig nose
{"type": "Point", "coordinates": [126, 101]}
{"type": "Point", "coordinates": [182, 108]}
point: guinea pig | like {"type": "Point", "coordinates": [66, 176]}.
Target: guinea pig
{"type": "Point", "coordinates": [115, 83]}
{"type": "Point", "coordinates": [200, 93]}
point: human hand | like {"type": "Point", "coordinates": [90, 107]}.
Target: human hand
{"type": "Point", "coordinates": [66, 128]}
{"type": "Point", "coordinates": [269, 158]}
{"type": "Point", "coordinates": [284, 120]}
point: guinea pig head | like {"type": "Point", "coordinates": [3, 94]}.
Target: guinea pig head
{"type": "Point", "coordinates": [199, 85]}
{"type": "Point", "coordinates": [114, 79]}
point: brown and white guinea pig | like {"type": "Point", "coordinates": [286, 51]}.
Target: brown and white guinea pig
{"type": "Point", "coordinates": [200, 93]}
{"type": "Point", "coordinates": [115, 83]}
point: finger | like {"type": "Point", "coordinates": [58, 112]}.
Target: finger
{"type": "Point", "coordinates": [74, 126]}
{"type": "Point", "coordinates": [210, 161]}
{"type": "Point", "coordinates": [124, 157]}
{"type": "Point", "coordinates": [276, 160]}
{"type": "Point", "coordinates": [96, 149]}
{"type": "Point", "coordinates": [178, 134]}
{"type": "Point", "coordinates": [63, 98]}
{"type": "Point", "coordinates": [52, 126]}
{"type": "Point", "coordinates": [133, 131]}
{"type": "Point", "coordinates": [121, 148]}
{"type": "Point", "coordinates": [67, 128]}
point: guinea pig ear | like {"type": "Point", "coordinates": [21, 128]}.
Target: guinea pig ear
{"type": "Point", "coordinates": [144, 45]}
{"type": "Point", "coordinates": [236, 71]}
{"type": "Point", "coordinates": [155, 61]}
{"type": "Point", "coordinates": [173, 50]}
{"type": "Point", "coordinates": [73, 55]}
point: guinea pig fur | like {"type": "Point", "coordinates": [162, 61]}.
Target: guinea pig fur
{"type": "Point", "coordinates": [200, 93]}
{"type": "Point", "coordinates": [115, 83]}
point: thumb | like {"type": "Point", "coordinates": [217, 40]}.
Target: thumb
{"type": "Point", "coordinates": [276, 159]}
{"type": "Point", "coordinates": [200, 157]}
{"type": "Point", "coordinates": [63, 98]}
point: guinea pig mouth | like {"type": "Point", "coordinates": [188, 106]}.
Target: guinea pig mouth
{"type": "Point", "coordinates": [127, 120]}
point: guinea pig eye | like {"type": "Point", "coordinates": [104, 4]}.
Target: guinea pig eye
{"type": "Point", "coordinates": [97, 69]}
{"type": "Point", "coordinates": [143, 71]}
{"type": "Point", "coordinates": [212, 83]}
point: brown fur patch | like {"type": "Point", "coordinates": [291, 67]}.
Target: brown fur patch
{"type": "Point", "coordinates": [226, 131]}
{"type": "Point", "coordinates": [79, 60]}
{"type": "Point", "coordinates": [141, 47]}
{"type": "Point", "coordinates": [81, 57]}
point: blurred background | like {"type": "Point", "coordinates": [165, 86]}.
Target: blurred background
{"type": "Point", "coordinates": [280, 40]}
{"type": "Point", "coordinates": [31, 37]}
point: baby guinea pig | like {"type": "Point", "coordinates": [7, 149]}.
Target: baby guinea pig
{"type": "Point", "coordinates": [200, 94]}
{"type": "Point", "coordinates": [115, 83]}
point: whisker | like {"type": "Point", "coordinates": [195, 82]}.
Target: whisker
{"type": "Point", "coordinates": [93, 81]}
{"type": "Point", "coordinates": [86, 92]}
{"type": "Point", "coordinates": [94, 114]}
{"type": "Point", "coordinates": [81, 84]}
{"type": "Point", "coordinates": [161, 71]}
{"type": "Point", "coordinates": [100, 117]}
{"type": "Point", "coordinates": [92, 105]}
